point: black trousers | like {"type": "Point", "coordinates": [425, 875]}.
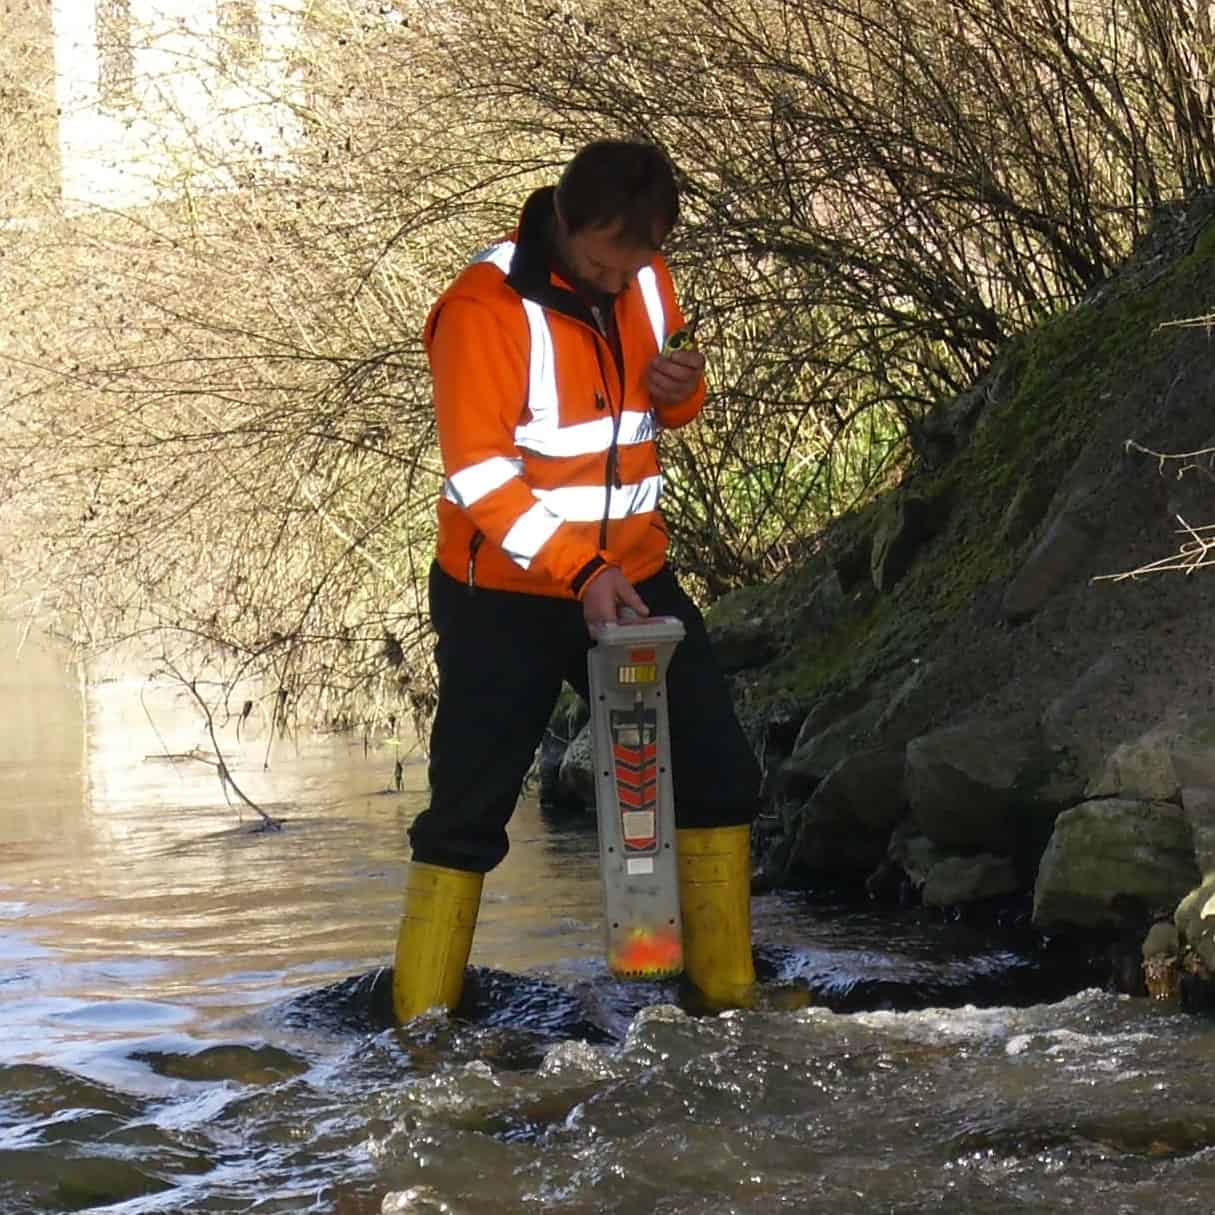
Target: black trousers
{"type": "Point", "coordinates": [501, 658]}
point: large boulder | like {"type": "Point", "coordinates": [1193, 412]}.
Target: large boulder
{"type": "Point", "coordinates": [1105, 853]}
{"type": "Point", "coordinates": [845, 827]}
{"type": "Point", "coordinates": [988, 786]}
{"type": "Point", "coordinates": [814, 756]}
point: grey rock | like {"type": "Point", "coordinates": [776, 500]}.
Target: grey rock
{"type": "Point", "coordinates": [1162, 941]}
{"type": "Point", "coordinates": [916, 855]}
{"type": "Point", "coordinates": [1194, 752]}
{"type": "Point", "coordinates": [1198, 802]}
{"type": "Point", "coordinates": [966, 879]}
{"type": "Point", "coordinates": [815, 615]}
{"type": "Point", "coordinates": [1070, 717]}
{"type": "Point", "coordinates": [938, 436]}
{"type": "Point", "coordinates": [984, 785]}
{"type": "Point", "coordinates": [1055, 559]}
{"type": "Point", "coordinates": [814, 757]}
{"type": "Point", "coordinates": [742, 641]}
{"type": "Point", "coordinates": [1027, 509]}
{"type": "Point", "coordinates": [1141, 769]}
{"type": "Point", "coordinates": [1105, 851]}
{"type": "Point", "coordinates": [845, 826]}
{"type": "Point", "coordinates": [907, 522]}
{"type": "Point", "coordinates": [826, 711]}
{"type": "Point", "coordinates": [903, 699]}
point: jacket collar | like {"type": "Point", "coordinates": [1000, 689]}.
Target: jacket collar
{"type": "Point", "coordinates": [531, 266]}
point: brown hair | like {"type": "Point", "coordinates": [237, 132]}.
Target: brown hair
{"type": "Point", "coordinates": [615, 181]}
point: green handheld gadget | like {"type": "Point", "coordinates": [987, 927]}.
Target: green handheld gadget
{"type": "Point", "coordinates": [685, 338]}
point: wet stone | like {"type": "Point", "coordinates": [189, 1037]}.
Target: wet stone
{"type": "Point", "coordinates": [244, 1064]}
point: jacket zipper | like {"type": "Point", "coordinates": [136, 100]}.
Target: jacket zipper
{"type": "Point", "coordinates": [478, 538]}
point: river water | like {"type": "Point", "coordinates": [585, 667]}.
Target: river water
{"type": "Point", "coordinates": [193, 1017]}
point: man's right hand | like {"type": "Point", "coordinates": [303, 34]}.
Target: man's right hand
{"type": "Point", "coordinates": [607, 594]}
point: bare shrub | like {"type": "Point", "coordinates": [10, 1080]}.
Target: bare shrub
{"type": "Point", "coordinates": [216, 428]}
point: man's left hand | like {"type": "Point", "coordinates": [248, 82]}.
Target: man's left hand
{"type": "Point", "coordinates": [673, 377]}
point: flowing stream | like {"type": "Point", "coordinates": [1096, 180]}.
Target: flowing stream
{"type": "Point", "coordinates": [193, 1016]}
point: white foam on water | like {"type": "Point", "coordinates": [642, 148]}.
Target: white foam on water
{"type": "Point", "coordinates": [577, 1058]}
{"type": "Point", "coordinates": [417, 1200]}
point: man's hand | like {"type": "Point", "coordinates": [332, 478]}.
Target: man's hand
{"type": "Point", "coordinates": [671, 378]}
{"type": "Point", "coordinates": [606, 595]}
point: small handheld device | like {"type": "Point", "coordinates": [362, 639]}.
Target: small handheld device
{"type": "Point", "coordinates": [634, 795]}
{"type": "Point", "coordinates": [685, 338]}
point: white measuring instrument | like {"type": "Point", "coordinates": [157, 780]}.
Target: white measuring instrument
{"type": "Point", "coordinates": [634, 795]}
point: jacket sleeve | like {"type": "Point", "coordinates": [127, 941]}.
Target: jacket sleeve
{"type": "Point", "coordinates": [671, 417]}
{"type": "Point", "coordinates": [480, 369]}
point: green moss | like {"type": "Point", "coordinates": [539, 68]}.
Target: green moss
{"type": "Point", "coordinates": [808, 670]}
{"type": "Point", "coordinates": [1065, 377]}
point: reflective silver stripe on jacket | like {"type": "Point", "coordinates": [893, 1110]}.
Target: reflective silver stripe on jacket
{"type": "Point", "coordinates": [529, 534]}
{"type": "Point", "coordinates": [471, 484]}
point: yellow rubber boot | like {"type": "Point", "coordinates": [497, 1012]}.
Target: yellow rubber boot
{"type": "Point", "coordinates": [715, 903]}
{"type": "Point", "coordinates": [435, 938]}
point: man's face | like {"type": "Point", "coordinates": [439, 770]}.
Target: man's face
{"type": "Point", "coordinates": [601, 258]}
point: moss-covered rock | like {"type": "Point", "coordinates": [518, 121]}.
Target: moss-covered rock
{"type": "Point", "coordinates": [1108, 855]}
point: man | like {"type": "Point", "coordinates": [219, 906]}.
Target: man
{"type": "Point", "coordinates": [550, 388]}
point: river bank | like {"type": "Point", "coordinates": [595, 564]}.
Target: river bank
{"type": "Point", "coordinates": [957, 704]}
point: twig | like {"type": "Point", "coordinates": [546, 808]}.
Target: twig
{"type": "Point", "coordinates": [1190, 557]}
{"type": "Point", "coordinates": [269, 823]}
{"type": "Point", "coordinates": [1163, 458]}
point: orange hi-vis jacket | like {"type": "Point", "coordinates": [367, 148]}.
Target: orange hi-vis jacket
{"type": "Point", "coordinates": [548, 441]}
